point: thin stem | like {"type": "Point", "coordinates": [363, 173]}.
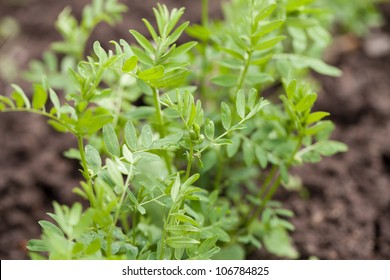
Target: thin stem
{"type": "Point", "coordinates": [189, 165]}
{"type": "Point", "coordinates": [166, 222]}
{"type": "Point", "coordinates": [134, 222]}
{"type": "Point", "coordinates": [161, 127]}
{"type": "Point", "coordinates": [275, 185]}
{"type": "Point", "coordinates": [203, 50]}
{"type": "Point", "coordinates": [159, 115]}
{"type": "Point", "coordinates": [154, 199]}
{"type": "Point", "coordinates": [42, 113]}
{"type": "Point", "coordinates": [245, 71]}
{"type": "Point", "coordinates": [220, 136]}
{"type": "Point", "coordinates": [267, 181]}
{"type": "Point", "coordinates": [262, 190]}
{"type": "Point", "coordinates": [205, 12]}
{"type": "Point", "coordinates": [266, 199]}
{"type": "Point", "coordinates": [218, 177]}
{"type": "Point", "coordinates": [83, 158]}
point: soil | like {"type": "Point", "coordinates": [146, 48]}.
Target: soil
{"type": "Point", "coordinates": [343, 210]}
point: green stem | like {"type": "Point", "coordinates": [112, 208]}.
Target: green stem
{"type": "Point", "coordinates": [168, 222]}
{"type": "Point", "coordinates": [266, 199]}
{"type": "Point", "coordinates": [218, 177]}
{"type": "Point", "coordinates": [205, 12]}
{"type": "Point", "coordinates": [42, 113]}
{"type": "Point", "coordinates": [204, 66]}
{"type": "Point", "coordinates": [244, 71]}
{"type": "Point", "coordinates": [274, 186]}
{"type": "Point", "coordinates": [267, 181]}
{"type": "Point", "coordinates": [159, 115]}
{"type": "Point", "coordinates": [189, 165]}
{"type": "Point", "coordinates": [134, 222]}
{"type": "Point", "coordinates": [162, 251]}
{"type": "Point", "coordinates": [203, 50]}
{"type": "Point", "coordinates": [117, 212]}
{"type": "Point", "coordinates": [83, 159]}
{"type": "Point", "coordinates": [161, 127]}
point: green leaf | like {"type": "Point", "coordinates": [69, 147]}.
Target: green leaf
{"type": "Point", "coordinates": [182, 229]}
{"type": "Point", "coordinates": [152, 31]}
{"type": "Point", "coordinates": [200, 32]}
{"type": "Point", "coordinates": [100, 52]}
{"type": "Point", "coordinates": [316, 116]}
{"type": "Point", "coordinates": [248, 152]}
{"type": "Point", "coordinates": [299, 39]}
{"type": "Point", "coordinates": [75, 214]}
{"type": "Point", "coordinates": [175, 188]}
{"type": "Point", "coordinates": [232, 252]}
{"type": "Point", "coordinates": [177, 33]}
{"type": "Point", "coordinates": [208, 244]}
{"type": "Point", "coordinates": [20, 97]}
{"type": "Point", "coordinates": [223, 141]}
{"type": "Point", "coordinates": [168, 141]}
{"type": "Point", "coordinates": [183, 49]}
{"type": "Point", "coordinates": [306, 102]}
{"type": "Point", "coordinates": [127, 154]}
{"type": "Point", "coordinates": [181, 242]}
{"type": "Point", "coordinates": [110, 140]}
{"type": "Point", "coordinates": [37, 245]}
{"type": "Point", "coordinates": [190, 181]}
{"type": "Point", "coordinates": [209, 129]}
{"type": "Point", "coordinates": [323, 68]}
{"type": "Point", "coordinates": [234, 53]}
{"type": "Point", "coordinates": [131, 136]}
{"type": "Point", "coordinates": [258, 78]}
{"type": "Point", "coordinates": [130, 64]}
{"type": "Point", "coordinates": [146, 136]}
{"type": "Point", "coordinates": [301, 61]}
{"type": "Point", "coordinates": [93, 159]}
{"type": "Point", "coordinates": [39, 97]}
{"type": "Point", "coordinates": [232, 149]}
{"type": "Point", "coordinates": [141, 209]}
{"type": "Point", "coordinates": [284, 212]}
{"type": "Point", "coordinates": [329, 148]}
{"type": "Point", "coordinates": [318, 127]}
{"type": "Point", "coordinates": [153, 73]}
{"type": "Point", "coordinates": [261, 156]}
{"type": "Point", "coordinates": [49, 227]}
{"type": "Point", "coordinates": [226, 116]}
{"type": "Point", "coordinates": [311, 157]}
{"type": "Point", "coordinates": [7, 101]}
{"type": "Point", "coordinates": [185, 219]}
{"type": "Point", "coordinates": [269, 27]}
{"type": "Point", "coordinates": [290, 91]}
{"type": "Point", "coordinates": [252, 98]}
{"type": "Point", "coordinates": [142, 41]}
{"type": "Point", "coordinates": [142, 56]}
{"type": "Point", "coordinates": [265, 12]}
{"type": "Point", "coordinates": [293, 5]}
{"type": "Point", "coordinates": [240, 103]}
{"type": "Point", "coordinates": [278, 243]}
{"type": "Point", "coordinates": [93, 247]}
{"type": "Point", "coordinates": [92, 121]}
{"type": "Point", "coordinates": [284, 173]}
{"type": "Point", "coordinates": [55, 100]}
{"type": "Point", "coordinates": [225, 80]}
{"type": "Point", "coordinates": [115, 174]}
{"type": "Point", "coordinates": [269, 43]}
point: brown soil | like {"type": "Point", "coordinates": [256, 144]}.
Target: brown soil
{"type": "Point", "coordinates": [346, 212]}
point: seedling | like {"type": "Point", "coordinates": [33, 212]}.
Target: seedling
{"type": "Point", "coordinates": [190, 173]}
